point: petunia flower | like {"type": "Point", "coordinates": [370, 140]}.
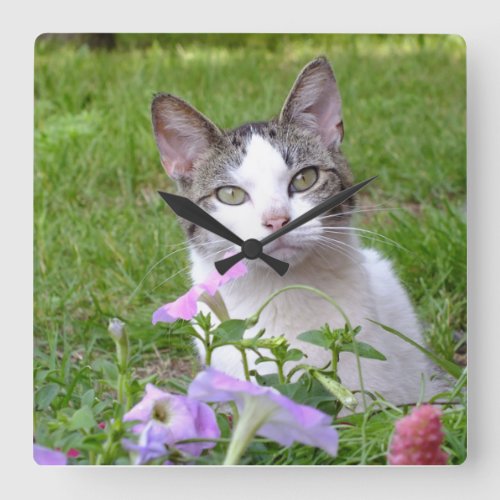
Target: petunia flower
{"type": "Point", "coordinates": [265, 412]}
{"type": "Point", "coordinates": [417, 439]}
{"type": "Point", "coordinates": [148, 448]}
{"type": "Point", "coordinates": [186, 306]}
{"type": "Point", "coordinates": [46, 456]}
{"type": "Point", "coordinates": [165, 419]}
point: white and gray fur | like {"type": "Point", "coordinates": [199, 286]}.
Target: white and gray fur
{"type": "Point", "coordinates": [262, 158]}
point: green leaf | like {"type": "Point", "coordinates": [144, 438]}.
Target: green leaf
{"type": "Point", "coordinates": [108, 368]}
{"type": "Point", "coordinates": [294, 355]}
{"type": "Point", "coordinates": [343, 394]}
{"type": "Point", "coordinates": [264, 359]}
{"type": "Point", "coordinates": [82, 419]}
{"type": "Point", "coordinates": [224, 425]}
{"type": "Point", "coordinates": [364, 350]}
{"type": "Point", "coordinates": [46, 395]}
{"type": "Point", "coordinates": [88, 398]}
{"type": "Point", "coordinates": [302, 392]}
{"type": "Point", "coordinates": [265, 343]}
{"type": "Point", "coordinates": [230, 331]}
{"type": "Point", "coordinates": [453, 369]}
{"type": "Point", "coordinates": [316, 337]}
{"type": "Point", "coordinates": [270, 380]}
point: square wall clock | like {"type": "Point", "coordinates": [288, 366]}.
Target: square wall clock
{"type": "Point", "coordinates": [250, 249]}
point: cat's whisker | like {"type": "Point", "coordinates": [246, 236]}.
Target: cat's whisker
{"type": "Point", "coordinates": [352, 212]}
{"type": "Point", "coordinates": [321, 255]}
{"type": "Point", "coordinates": [372, 238]}
{"type": "Point", "coordinates": [185, 246]}
{"type": "Point", "coordinates": [365, 236]}
{"type": "Point", "coordinates": [202, 245]}
{"type": "Point", "coordinates": [183, 243]}
{"type": "Point", "coordinates": [354, 249]}
{"type": "Point", "coordinates": [373, 233]}
{"type": "Point", "coordinates": [187, 267]}
{"type": "Point", "coordinates": [170, 277]}
{"type": "Point", "coordinates": [152, 268]}
{"type": "Point", "coordinates": [330, 245]}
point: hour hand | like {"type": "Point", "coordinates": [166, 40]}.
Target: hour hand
{"type": "Point", "coordinates": [188, 210]}
{"type": "Point", "coordinates": [279, 266]}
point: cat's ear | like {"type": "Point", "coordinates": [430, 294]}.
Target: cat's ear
{"type": "Point", "coordinates": [182, 134]}
{"type": "Point", "coordinates": [314, 103]}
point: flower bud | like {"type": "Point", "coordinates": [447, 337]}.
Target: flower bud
{"type": "Point", "coordinates": [115, 328]}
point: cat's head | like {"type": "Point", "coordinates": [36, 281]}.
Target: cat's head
{"type": "Point", "coordinates": [257, 177]}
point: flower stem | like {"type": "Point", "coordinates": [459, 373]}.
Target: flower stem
{"type": "Point", "coordinates": [248, 424]}
{"type": "Point", "coordinates": [335, 359]}
{"type": "Point", "coordinates": [360, 375]}
{"type": "Point", "coordinates": [122, 390]}
{"type": "Point", "coordinates": [281, 374]}
{"type": "Point", "coordinates": [208, 355]}
{"type": "Point", "coordinates": [245, 363]}
{"type": "Point", "coordinates": [321, 294]}
{"type": "Point", "coordinates": [208, 349]}
{"type": "Point", "coordinates": [326, 297]}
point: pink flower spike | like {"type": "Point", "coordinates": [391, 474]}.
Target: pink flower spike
{"type": "Point", "coordinates": [186, 306]}
{"type": "Point", "coordinates": [417, 439]}
{"type": "Point", "coordinates": [101, 425]}
{"type": "Point", "coordinates": [72, 453]}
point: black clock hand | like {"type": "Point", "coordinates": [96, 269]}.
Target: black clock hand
{"type": "Point", "coordinates": [188, 210]}
{"type": "Point", "coordinates": [324, 206]}
{"type": "Point", "coordinates": [279, 266]}
{"type": "Point", "coordinates": [224, 265]}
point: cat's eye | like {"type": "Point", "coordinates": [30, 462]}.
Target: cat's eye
{"type": "Point", "coordinates": [305, 179]}
{"type": "Point", "coordinates": [231, 195]}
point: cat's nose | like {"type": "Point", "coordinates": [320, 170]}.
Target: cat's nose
{"type": "Point", "coordinates": [276, 223]}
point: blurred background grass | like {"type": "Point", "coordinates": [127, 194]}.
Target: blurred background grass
{"type": "Point", "coordinates": [100, 226]}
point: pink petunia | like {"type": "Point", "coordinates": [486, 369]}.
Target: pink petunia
{"type": "Point", "coordinates": [417, 439]}
{"type": "Point", "coordinates": [186, 306]}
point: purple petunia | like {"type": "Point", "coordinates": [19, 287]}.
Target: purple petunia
{"type": "Point", "coordinates": [266, 412]}
{"type": "Point", "coordinates": [46, 456]}
{"type": "Point", "coordinates": [165, 419]}
{"type": "Point", "coordinates": [186, 306]}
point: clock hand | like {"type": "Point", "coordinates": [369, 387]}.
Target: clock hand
{"type": "Point", "coordinates": [251, 253]}
{"type": "Point", "coordinates": [188, 210]}
{"type": "Point", "coordinates": [324, 206]}
{"type": "Point", "coordinates": [224, 265]}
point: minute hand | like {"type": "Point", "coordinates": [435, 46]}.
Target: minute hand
{"type": "Point", "coordinates": [326, 205]}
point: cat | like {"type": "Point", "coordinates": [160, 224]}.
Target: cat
{"type": "Point", "coordinates": [256, 178]}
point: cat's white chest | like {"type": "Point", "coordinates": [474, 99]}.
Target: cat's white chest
{"type": "Point", "coordinates": [297, 310]}
{"type": "Point", "coordinates": [366, 289]}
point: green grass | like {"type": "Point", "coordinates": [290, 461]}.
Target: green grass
{"type": "Point", "coordinates": [100, 226]}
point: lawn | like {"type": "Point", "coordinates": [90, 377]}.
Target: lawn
{"type": "Point", "coordinates": [106, 246]}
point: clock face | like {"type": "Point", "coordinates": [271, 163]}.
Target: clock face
{"type": "Point", "coordinates": [296, 297]}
